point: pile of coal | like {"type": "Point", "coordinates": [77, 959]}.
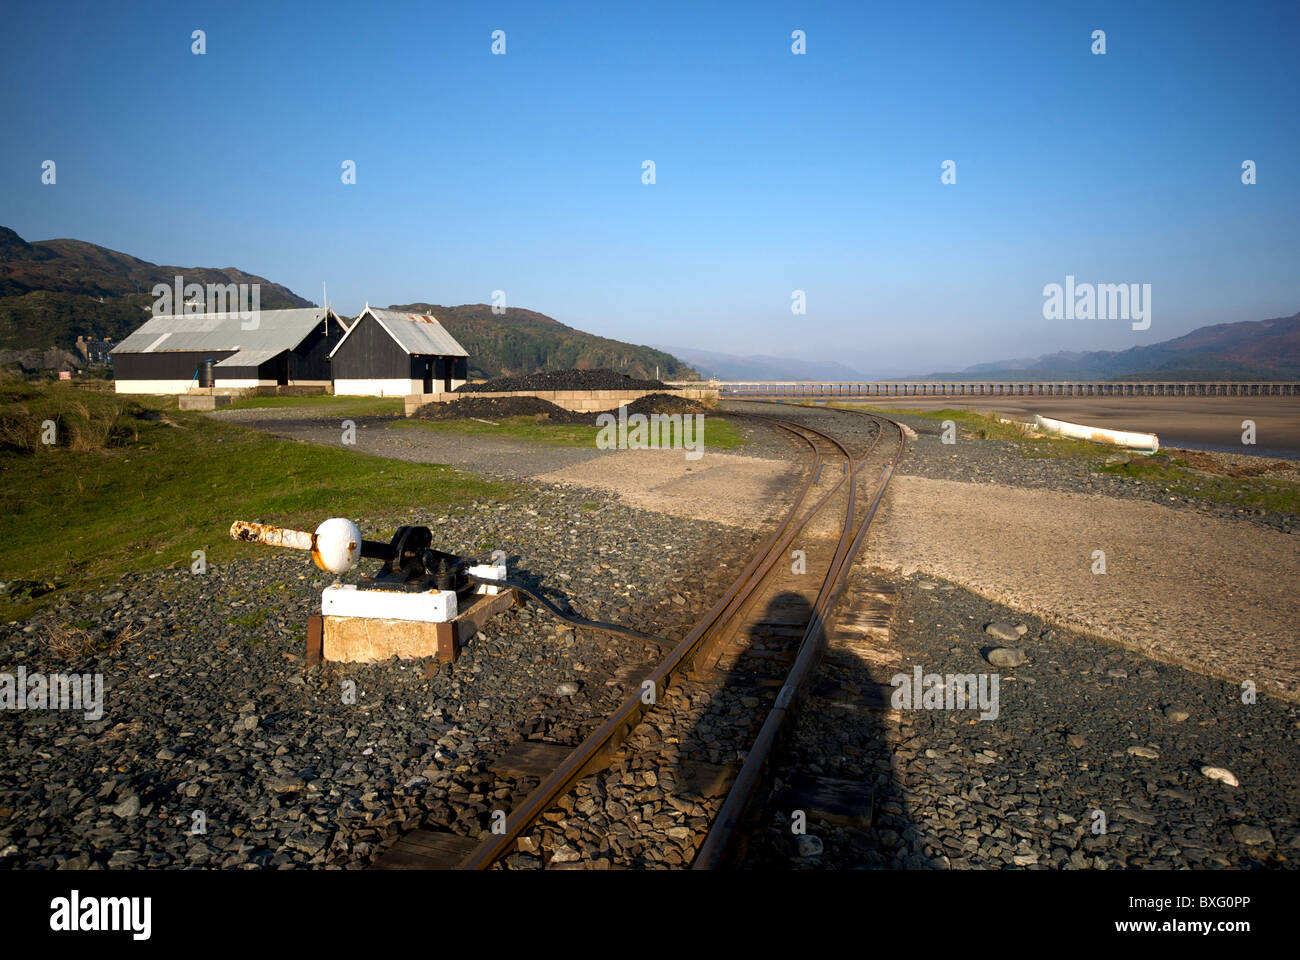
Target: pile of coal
{"type": "Point", "coordinates": [491, 408]}
{"type": "Point", "coordinates": [564, 380]}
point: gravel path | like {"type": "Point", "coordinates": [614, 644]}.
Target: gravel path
{"type": "Point", "coordinates": [1217, 595]}
{"type": "Point", "coordinates": [722, 487]}
{"type": "Point", "coordinates": [491, 457]}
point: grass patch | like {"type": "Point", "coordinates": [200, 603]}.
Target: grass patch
{"type": "Point", "coordinates": [719, 434]}
{"type": "Point", "coordinates": [77, 518]}
{"type": "Point", "coordinates": [984, 427]}
{"type": "Point", "coordinates": [254, 618]}
{"type": "Point", "coordinates": [342, 406]}
{"type": "Point", "coordinates": [1251, 493]}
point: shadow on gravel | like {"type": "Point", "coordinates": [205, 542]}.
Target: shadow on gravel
{"type": "Point", "coordinates": [832, 767]}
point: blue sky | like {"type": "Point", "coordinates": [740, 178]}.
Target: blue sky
{"type": "Point", "coordinates": [775, 172]}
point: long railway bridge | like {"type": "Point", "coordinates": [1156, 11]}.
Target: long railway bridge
{"type": "Point", "coordinates": [754, 390]}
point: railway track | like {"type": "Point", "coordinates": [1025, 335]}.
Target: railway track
{"type": "Point", "coordinates": [699, 730]}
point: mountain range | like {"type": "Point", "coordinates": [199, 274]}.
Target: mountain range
{"type": "Point", "coordinates": [53, 291]}
{"type": "Point", "coordinates": [1245, 350]}
{"type": "Point", "coordinates": [56, 290]}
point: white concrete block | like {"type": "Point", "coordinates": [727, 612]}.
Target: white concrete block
{"type": "Point", "coordinates": [488, 571]}
{"type": "Point", "coordinates": [345, 600]}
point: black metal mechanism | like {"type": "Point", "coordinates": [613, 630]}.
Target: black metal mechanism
{"type": "Point", "coordinates": [411, 563]}
{"type": "Point", "coordinates": [603, 627]}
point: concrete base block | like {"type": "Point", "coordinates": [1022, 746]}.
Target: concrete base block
{"type": "Point", "coordinates": [206, 401]}
{"type": "Point", "coordinates": [367, 639]}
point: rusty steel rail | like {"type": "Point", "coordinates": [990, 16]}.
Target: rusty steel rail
{"type": "Point", "coordinates": [593, 752]}
{"type": "Point", "coordinates": [727, 827]}
{"type": "Point", "coordinates": [850, 473]}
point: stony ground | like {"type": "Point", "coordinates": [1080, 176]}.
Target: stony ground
{"type": "Point", "coordinates": [1094, 760]}
{"type": "Point", "coordinates": [208, 710]}
{"type": "Point", "coordinates": [997, 462]}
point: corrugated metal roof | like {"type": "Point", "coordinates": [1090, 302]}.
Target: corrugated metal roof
{"type": "Point", "coordinates": [249, 358]}
{"type": "Point", "coordinates": [277, 330]}
{"type": "Point", "coordinates": [414, 333]}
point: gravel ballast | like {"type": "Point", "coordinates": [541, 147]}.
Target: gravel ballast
{"type": "Point", "coordinates": [1085, 765]}
{"type": "Point", "coordinates": [207, 709]}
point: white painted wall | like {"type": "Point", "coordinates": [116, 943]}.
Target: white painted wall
{"type": "Point", "coordinates": [242, 383]}
{"type": "Point", "coordinates": [153, 386]}
{"type": "Point", "coordinates": [376, 388]}
{"type": "Point", "coordinates": [221, 383]}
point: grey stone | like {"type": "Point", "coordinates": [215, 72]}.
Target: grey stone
{"type": "Point", "coordinates": [566, 688]}
{"type": "Point", "coordinates": [1006, 656]}
{"type": "Point", "coordinates": [285, 784]}
{"type": "Point", "coordinates": [1004, 631]}
{"type": "Point", "coordinates": [808, 845]}
{"type": "Point", "coordinates": [1176, 713]}
{"type": "Point", "coordinates": [128, 808]}
{"type": "Point", "coordinates": [1251, 835]}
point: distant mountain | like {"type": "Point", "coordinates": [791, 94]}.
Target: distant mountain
{"type": "Point", "coordinates": [1248, 350]}
{"type": "Point", "coordinates": [726, 366]}
{"type": "Point", "coordinates": [53, 291]}
{"type": "Point", "coordinates": [520, 342]}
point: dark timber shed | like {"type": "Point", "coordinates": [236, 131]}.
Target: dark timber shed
{"type": "Point", "coordinates": [388, 353]}
{"type": "Point", "coordinates": [268, 348]}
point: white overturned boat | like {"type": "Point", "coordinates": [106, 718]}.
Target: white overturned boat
{"type": "Point", "coordinates": [1142, 442]}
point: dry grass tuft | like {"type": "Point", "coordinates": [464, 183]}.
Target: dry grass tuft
{"type": "Point", "coordinates": [68, 642]}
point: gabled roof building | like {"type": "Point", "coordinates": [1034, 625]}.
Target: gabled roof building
{"type": "Point", "coordinates": [169, 352]}
{"type": "Point", "coordinates": [387, 353]}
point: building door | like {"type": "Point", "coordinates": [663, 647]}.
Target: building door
{"type": "Point", "coordinates": [428, 376]}
{"type": "Point", "coordinates": [446, 374]}
{"type": "Point", "coordinates": [282, 370]}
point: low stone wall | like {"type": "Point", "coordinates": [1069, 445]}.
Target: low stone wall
{"type": "Point", "coordinates": [581, 401]}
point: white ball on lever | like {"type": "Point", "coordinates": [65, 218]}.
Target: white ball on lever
{"type": "Point", "coordinates": [336, 545]}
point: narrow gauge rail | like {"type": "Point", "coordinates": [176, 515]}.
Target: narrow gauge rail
{"type": "Point", "coordinates": [724, 844]}
{"type": "Point", "coordinates": [594, 753]}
